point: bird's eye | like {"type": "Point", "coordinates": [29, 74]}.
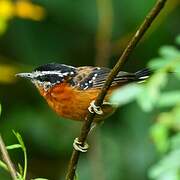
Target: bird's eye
{"type": "Point", "coordinates": [43, 78]}
{"type": "Point", "coordinates": [52, 78]}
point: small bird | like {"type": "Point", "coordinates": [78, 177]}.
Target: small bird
{"type": "Point", "coordinates": [71, 91]}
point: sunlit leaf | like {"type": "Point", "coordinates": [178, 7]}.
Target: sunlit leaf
{"type": "Point", "coordinates": [169, 52]}
{"type": "Point", "coordinates": [3, 25]}
{"type": "Point", "coordinates": [19, 176]}
{"type": "Point", "coordinates": [175, 141]}
{"type": "Point", "coordinates": [148, 98]}
{"type": "Point", "coordinates": [20, 170]}
{"type": "Point", "coordinates": [20, 140]}
{"type": "Point", "coordinates": [176, 116]}
{"type": "Point", "coordinates": [165, 119]}
{"type": "Point", "coordinates": [40, 179]}
{"type": "Point", "coordinates": [168, 167]}
{"type": "Point", "coordinates": [156, 83]}
{"type": "Point", "coordinates": [169, 99]}
{"type": "Point", "coordinates": [3, 165]}
{"type": "Point", "coordinates": [76, 177]}
{"type": "Point", "coordinates": [158, 63]}
{"type": "Point", "coordinates": [145, 101]}
{"type": "Point", "coordinates": [125, 94]}
{"type": "Point", "coordinates": [14, 146]}
{"type": "Point", "coordinates": [159, 134]}
{"type": "Point", "coordinates": [177, 70]}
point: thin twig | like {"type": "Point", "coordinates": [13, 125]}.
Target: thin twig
{"type": "Point", "coordinates": [7, 159]}
{"type": "Point", "coordinates": [130, 47]}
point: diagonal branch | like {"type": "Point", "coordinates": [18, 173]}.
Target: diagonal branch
{"type": "Point", "coordinates": [130, 47]}
{"type": "Point", "coordinates": [7, 159]}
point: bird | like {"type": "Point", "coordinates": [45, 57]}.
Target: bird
{"type": "Point", "coordinates": [71, 91]}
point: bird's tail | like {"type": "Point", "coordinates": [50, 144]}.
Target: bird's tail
{"type": "Point", "coordinates": [143, 74]}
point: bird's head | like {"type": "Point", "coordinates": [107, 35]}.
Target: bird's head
{"type": "Point", "coordinates": [46, 76]}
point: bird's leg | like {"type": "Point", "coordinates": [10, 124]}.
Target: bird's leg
{"type": "Point", "coordinates": [79, 147]}
{"type": "Point", "coordinates": [93, 126]}
{"type": "Point", "coordinates": [95, 109]}
{"type": "Point", "coordinates": [77, 144]}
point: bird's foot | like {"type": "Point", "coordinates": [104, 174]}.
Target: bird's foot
{"type": "Point", "coordinates": [95, 109]}
{"type": "Point", "coordinates": [79, 147]}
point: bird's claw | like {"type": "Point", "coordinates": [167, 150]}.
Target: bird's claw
{"type": "Point", "coordinates": [79, 147]}
{"type": "Point", "coordinates": [95, 109]}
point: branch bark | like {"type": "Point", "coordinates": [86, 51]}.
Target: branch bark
{"type": "Point", "coordinates": [7, 159]}
{"type": "Point", "coordinates": [99, 100]}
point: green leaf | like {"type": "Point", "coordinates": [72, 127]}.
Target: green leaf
{"type": "Point", "coordinates": [175, 141]}
{"type": "Point", "coordinates": [178, 39]}
{"type": "Point", "coordinates": [145, 101]}
{"type": "Point", "coordinates": [158, 63]}
{"type": "Point", "coordinates": [165, 119]}
{"type": "Point", "coordinates": [20, 140]}
{"type": "Point", "coordinates": [169, 99]}
{"type": "Point", "coordinates": [169, 52]}
{"type": "Point", "coordinates": [14, 146]}
{"type": "Point", "coordinates": [3, 165]}
{"type": "Point", "coordinates": [176, 117]}
{"type": "Point", "coordinates": [3, 25]}
{"type": "Point", "coordinates": [167, 168]}
{"type": "Point", "coordinates": [19, 177]}
{"type": "Point", "coordinates": [177, 71]}
{"type": "Point", "coordinates": [125, 94]}
{"type": "Point", "coordinates": [76, 177]}
{"type": "Point", "coordinates": [20, 169]}
{"type": "Point", "coordinates": [39, 179]}
{"type": "Point", "coordinates": [148, 98]}
{"type": "Point", "coordinates": [156, 83]}
{"type": "Point", "coordinates": [159, 134]}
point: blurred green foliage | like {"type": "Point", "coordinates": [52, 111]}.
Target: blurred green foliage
{"type": "Point", "coordinates": [67, 33]}
{"type": "Point", "coordinates": [22, 171]}
{"type": "Point", "coordinates": [23, 9]}
{"type": "Point", "coordinates": [155, 94]}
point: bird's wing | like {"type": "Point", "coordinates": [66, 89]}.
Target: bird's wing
{"type": "Point", "coordinates": [121, 78]}
{"type": "Point", "coordinates": [95, 77]}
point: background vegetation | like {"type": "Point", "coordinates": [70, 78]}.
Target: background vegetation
{"type": "Point", "coordinates": [81, 33]}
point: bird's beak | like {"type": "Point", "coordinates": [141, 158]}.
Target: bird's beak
{"type": "Point", "coordinates": [25, 75]}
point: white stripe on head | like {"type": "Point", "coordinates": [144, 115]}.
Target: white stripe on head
{"type": "Point", "coordinates": [35, 74]}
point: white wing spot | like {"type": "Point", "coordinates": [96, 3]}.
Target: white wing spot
{"type": "Point", "coordinates": [144, 77]}
{"type": "Point", "coordinates": [65, 74]}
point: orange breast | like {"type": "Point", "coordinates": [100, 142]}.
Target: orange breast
{"type": "Point", "coordinates": [69, 102]}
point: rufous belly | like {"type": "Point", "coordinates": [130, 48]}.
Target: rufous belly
{"type": "Point", "coordinates": [72, 103]}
